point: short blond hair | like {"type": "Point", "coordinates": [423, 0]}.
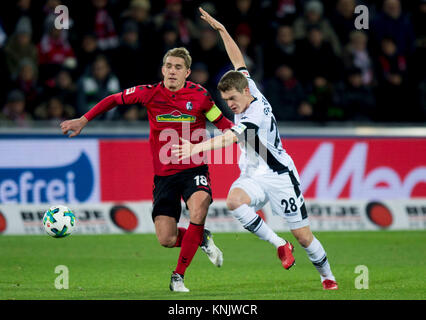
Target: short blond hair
{"type": "Point", "coordinates": [179, 53]}
{"type": "Point", "coordinates": [233, 80]}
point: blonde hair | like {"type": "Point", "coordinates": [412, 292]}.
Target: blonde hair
{"type": "Point", "coordinates": [232, 80]}
{"type": "Point", "coordinates": [179, 53]}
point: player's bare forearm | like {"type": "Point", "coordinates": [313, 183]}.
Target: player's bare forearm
{"type": "Point", "coordinates": [232, 50]}
{"type": "Point", "coordinates": [234, 53]}
{"type": "Point", "coordinates": [187, 149]}
{"type": "Point", "coordinates": [221, 141]}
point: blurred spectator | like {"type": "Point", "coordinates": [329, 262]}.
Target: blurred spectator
{"type": "Point", "coordinates": [200, 75]}
{"type": "Point", "coordinates": [134, 35]}
{"type": "Point", "coordinates": [283, 11]}
{"type": "Point", "coordinates": [64, 88]}
{"type": "Point", "coordinates": [54, 51]}
{"type": "Point", "coordinates": [19, 47]}
{"type": "Point", "coordinates": [283, 49]}
{"type": "Point", "coordinates": [209, 52]}
{"type": "Point", "coordinates": [55, 111]}
{"type": "Point", "coordinates": [342, 19]}
{"type": "Point", "coordinates": [392, 68]}
{"type": "Point", "coordinates": [356, 55]}
{"type": "Point", "coordinates": [287, 97]}
{"type": "Point", "coordinates": [87, 53]}
{"type": "Point", "coordinates": [243, 12]}
{"type": "Point", "coordinates": [170, 40]}
{"type": "Point", "coordinates": [132, 113]}
{"type": "Point", "coordinates": [126, 57]}
{"type": "Point", "coordinates": [26, 82]}
{"type": "Point", "coordinates": [392, 22]}
{"type": "Point", "coordinates": [251, 51]}
{"type": "Point", "coordinates": [139, 12]}
{"type": "Point", "coordinates": [315, 58]}
{"type": "Point", "coordinates": [356, 98]}
{"type": "Point", "coordinates": [21, 9]}
{"type": "Point", "coordinates": [314, 17]}
{"type": "Point", "coordinates": [173, 14]}
{"type": "Point", "coordinates": [14, 109]}
{"type": "Point", "coordinates": [99, 83]}
{"type": "Point", "coordinates": [321, 98]}
{"type": "Point", "coordinates": [98, 19]}
{"type": "Point", "coordinates": [419, 23]}
{"type": "Point", "coordinates": [4, 77]}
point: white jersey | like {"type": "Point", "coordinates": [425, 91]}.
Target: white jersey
{"type": "Point", "coordinates": [266, 154]}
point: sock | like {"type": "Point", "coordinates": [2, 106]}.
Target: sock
{"type": "Point", "coordinates": [318, 257]}
{"type": "Point", "coordinates": [189, 245]}
{"type": "Point", "coordinates": [181, 233]}
{"type": "Point", "coordinates": [254, 223]}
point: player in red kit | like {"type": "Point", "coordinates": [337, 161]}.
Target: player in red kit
{"type": "Point", "coordinates": [176, 109]}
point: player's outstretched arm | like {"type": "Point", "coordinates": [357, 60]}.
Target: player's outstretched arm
{"type": "Point", "coordinates": [74, 125]}
{"type": "Point", "coordinates": [188, 149]}
{"type": "Point", "coordinates": [231, 47]}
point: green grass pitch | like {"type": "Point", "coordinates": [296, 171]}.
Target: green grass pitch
{"type": "Point", "coordinates": [135, 266]}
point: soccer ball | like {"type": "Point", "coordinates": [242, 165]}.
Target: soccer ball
{"type": "Point", "coordinates": [59, 221]}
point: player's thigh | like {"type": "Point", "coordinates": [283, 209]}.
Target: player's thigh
{"type": "Point", "coordinates": [287, 201]}
{"type": "Point", "coordinates": [166, 198]}
{"type": "Point", "coordinates": [166, 230]}
{"type": "Point", "coordinates": [246, 190]}
{"type": "Point", "coordinates": [196, 192]}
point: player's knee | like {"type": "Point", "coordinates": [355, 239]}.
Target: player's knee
{"type": "Point", "coordinates": [304, 239]}
{"type": "Point", "coordinates": [233, 202]}
{"type": "Point", "coordinates": [167, 241]}
{"type": "Point", "coordinates": [198, 216]}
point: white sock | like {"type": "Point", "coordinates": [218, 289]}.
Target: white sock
{"type": "Point", "coordinates": [254, 223]}
{"type": "Point", "coordinates": [318, 257]}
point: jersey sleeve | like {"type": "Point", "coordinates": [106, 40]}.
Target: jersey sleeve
{"type": "Point", "coordinates": [207, 101]}
{"type": "Point", "coordinates": [136, 95]}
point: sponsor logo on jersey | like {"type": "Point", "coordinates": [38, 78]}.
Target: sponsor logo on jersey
{"type": "Point", "coordinates": [130, 91]}
{"type": "Point", "coordinates": [176, 116]}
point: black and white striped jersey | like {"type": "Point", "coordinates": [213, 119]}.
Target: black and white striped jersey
{"type": "Point", "coordinates": [259, 138]}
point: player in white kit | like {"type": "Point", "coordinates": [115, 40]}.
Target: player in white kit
{"type": "Point", "coordinates": [267, 171]}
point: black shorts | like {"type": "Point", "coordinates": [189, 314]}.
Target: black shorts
{"type": "Point", "coordinates": [169, 190]}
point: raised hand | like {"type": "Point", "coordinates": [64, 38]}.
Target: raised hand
{"type": "Point", "coordinates": [210, 20]}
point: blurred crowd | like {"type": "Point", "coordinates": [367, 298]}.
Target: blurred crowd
{"type": "Point", "coordinates": [306, 55]}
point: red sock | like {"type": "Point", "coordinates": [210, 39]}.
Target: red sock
{"type": "Point", "coordinates": [181, 233]}
{"type": "Point", "coordinates": [190, 243]}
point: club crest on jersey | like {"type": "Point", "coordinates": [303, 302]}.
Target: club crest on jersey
{"type": "Point", "coordinates": [176, 116]}
{"type": "Point", "coordinates": [189, 105]}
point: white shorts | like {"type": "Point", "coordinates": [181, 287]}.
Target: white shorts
{"type": "Point", "coordinates": [283, 193]}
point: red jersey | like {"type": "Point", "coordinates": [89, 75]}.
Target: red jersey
{"type": "Point", "coordinates": [172, 115]}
